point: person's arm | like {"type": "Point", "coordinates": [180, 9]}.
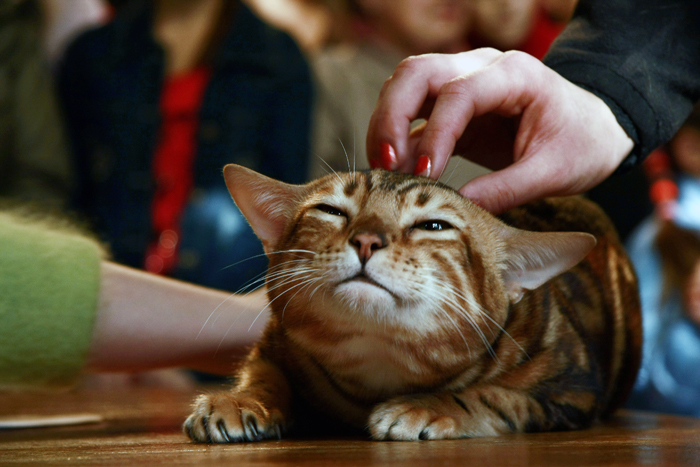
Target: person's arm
{"type": "Point", "coordinates": [641, 58]}
{"type": "Point", "coordinates": [506, 111]}
{"type": "Point", "coordinates": [146, 321]}
{"type": "Point", "coordinates": [543, 134]}
{"type": "Point", "coordinates": [65, 310]}
{"type": "Point", "coordinates": [49, 281]}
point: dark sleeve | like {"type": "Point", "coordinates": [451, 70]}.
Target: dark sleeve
{"type": "Point", "coordinates": [642, 57]}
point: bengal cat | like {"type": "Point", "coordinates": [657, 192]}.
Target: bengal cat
{"type": "Point", "coordinates": [404, 309]}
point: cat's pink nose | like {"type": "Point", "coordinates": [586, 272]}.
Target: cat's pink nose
{"type": "Point", "coordinates": [367, 243]}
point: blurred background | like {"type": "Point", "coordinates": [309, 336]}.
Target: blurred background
{"type": "Point", "coordinates": [121, 115]}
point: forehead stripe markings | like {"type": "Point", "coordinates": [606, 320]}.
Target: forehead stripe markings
{"type": "Point", "coordinates": [423, 198]}
{"type": "Point", "coordinates": [350, 188]}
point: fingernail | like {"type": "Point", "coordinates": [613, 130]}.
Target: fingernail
{"type": "Point", "coordinates": [374, 164]}
{"type": "Point", "coordinates": [388, 156]}
{"type": "Point", "coordinates": [422, 167]}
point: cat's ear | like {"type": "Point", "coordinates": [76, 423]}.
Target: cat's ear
{"type": "Point", "coordinates": [532, 258]}
{"type": "Point", "coordinates": [268, 204]}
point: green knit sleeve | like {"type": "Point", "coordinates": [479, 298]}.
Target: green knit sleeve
{"type": "Point", "coordinates": [49, 285]}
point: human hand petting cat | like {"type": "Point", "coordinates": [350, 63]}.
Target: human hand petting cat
{"type": "Point", "coordinates": [509, 112]}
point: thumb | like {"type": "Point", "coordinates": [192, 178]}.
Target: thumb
{"type": "Point", "coordinates": [505, 189]}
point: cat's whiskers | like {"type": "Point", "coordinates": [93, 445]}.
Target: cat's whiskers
{"type": "Point", "coordinates": [354, 150]}
{"type": "Point", "coordinates": [260, 279]}
{"type": "Point", "coordinates": [266, 254]}
{"type": "Point", "coordinates": [449, 301]}
{"type": "Point", "coordinates": [287, 266]}
{"type": "Point", "coordinates": [447, 315]}
{"type": "Point", "coordinates": [305, 283]}
{"type": "Point", "coordinates": [251, 324]}
{"type": "Point", "coordinates": [249, 327]}
{"type": "Point", "coordinates": [309, 283]}
{"type": "Point", "coordinates": [240, 313]}
{"type": "Point", "coordinates": [214, 311]}
{"type": "Point", "coordinates": [251, 285]}
{"type": "Point", "coordinates": [453, 172]}
{"type": "Point", "coordinates": [484, 314]}
{"type": "Point", "coordinates": [319, 286]}
{"type": "Point", "coordinates": [346, 155]}
{"type": "Point", "coordinates": [280, 274]}
{"type": "Point", "coordinates": [474, 306]}
{"type": "Point", "coordinates": [286, 277]}
{"type": "Point", "coordinates": [331, 169]}
{"type": "Point", "coordinates": [320, 278]}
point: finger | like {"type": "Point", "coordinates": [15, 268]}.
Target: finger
{"type": "Point", "coordinates": [543, 173]}
{"type": "Point", "coordinates": [507, 87]}
{"type": "Point", "coordinates": [505, 189]}
{"type": "Point", "coordinates": [414, 138]}
{"type": "Point", "coordinates": [408, 94]}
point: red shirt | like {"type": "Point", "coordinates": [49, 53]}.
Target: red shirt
{"type": "Point", "coordinates": [180, 102]}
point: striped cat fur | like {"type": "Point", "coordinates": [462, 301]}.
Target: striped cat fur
{"type": "Point", "coordinates": [401, 308]}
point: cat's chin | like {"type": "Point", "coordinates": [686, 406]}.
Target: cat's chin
{"type": "Point", "coordinates": [364, 282]}
{"type": "Point", "coordinates": [363, 289]}
{"type": "Point", "coordinates": [375, 307]}
{"type": "Point", "coordinates": [364, 293]}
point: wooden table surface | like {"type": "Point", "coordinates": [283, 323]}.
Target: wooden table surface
{"type": "Point", "coordinates": [141, 426]}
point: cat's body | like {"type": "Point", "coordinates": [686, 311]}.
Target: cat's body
{"type": "Point", "coordinates": [401, 307]}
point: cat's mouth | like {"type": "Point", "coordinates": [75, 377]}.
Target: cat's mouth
{"type": "Point", "coordinates": [362, 277]}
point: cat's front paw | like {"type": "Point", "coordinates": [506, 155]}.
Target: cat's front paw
{"type": "Point", "coordinates": [228, 418]}
{"type": "Point", "coordinates": [419, 417]}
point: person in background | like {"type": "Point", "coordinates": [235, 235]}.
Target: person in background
{"type": "Point", "coordinates": [64, 21]}
{"type": "Point", "coordinates": [309, 22]}
{"type": "Point", "coordinates": [598, 104]}
{"type": "Point", "coordinates": [34, 162]}
{"type": "Point", "coordinates": [350, 74]}
{"type": "Point", "coordinates": [156, 103]}
{"type": "Point", "coordinates": [513, 25]}
{"type": "Point", "coordinates": [559, 11]}
{"type": "Point", "coordinates": [665, 250]}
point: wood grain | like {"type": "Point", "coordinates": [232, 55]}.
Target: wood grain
{"type": "Point", "coordinates": [142, 427]}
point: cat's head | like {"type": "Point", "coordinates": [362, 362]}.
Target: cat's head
{"type": "Point", "coordinates": [389, 249]}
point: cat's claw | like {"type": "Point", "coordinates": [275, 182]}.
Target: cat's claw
{"type": "Point", "coordinates": [415, 418]}
{"type": "Point", "coordinates": [225, 418]}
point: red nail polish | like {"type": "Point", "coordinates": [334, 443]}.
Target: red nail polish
{"type": "Point", "coordinates": [388, 156]}
{"type": "Point", "coordinates": [422, 166]}
{"type": "Point", "coordinates": [374, 164]}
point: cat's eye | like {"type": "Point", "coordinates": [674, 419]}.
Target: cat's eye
{"type": "Point", "coordinates": [433, 225]}
{"type": "Point", "coordinates": [328, 209]}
